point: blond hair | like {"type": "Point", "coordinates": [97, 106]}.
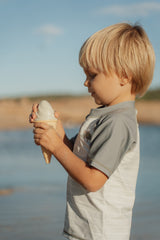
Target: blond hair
{"type": "Point", "coordinates": [123, 49]}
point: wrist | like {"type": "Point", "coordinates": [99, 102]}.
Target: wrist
{"type": "Point", "coordinates": [58, 147]}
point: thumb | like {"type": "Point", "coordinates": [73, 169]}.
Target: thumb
{"type": "Point", "coordinates": [57, 114]}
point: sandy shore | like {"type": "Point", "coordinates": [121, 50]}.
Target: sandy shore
{"type": "Point", "coordinates": [14, 113]}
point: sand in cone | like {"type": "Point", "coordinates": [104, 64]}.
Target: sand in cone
{"type": "Point", "coordinates": [46, 153]}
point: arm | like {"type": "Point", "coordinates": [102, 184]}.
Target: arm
{"type": "Point", "coordinates": [90, 178]}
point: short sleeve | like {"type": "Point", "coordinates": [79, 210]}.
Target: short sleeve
{"type": "Point", "coordinates": [110, 141]}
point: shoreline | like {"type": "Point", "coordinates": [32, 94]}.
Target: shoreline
{"type": "Point", "coordinates": [14, 113]}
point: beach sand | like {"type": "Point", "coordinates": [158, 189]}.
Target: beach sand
{"type": "Point", "coordinates": [14, 114]}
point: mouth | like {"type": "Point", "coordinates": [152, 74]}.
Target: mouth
{"type": "Point", "coordinates": [92, 94]}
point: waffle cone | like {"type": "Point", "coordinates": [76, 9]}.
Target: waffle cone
{"type": "Point", "coordinates": [46, 153]}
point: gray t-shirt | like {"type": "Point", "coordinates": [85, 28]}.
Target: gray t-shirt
{"type": "Point", "coordinates": [108, 140]}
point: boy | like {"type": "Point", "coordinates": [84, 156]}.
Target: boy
{"type": "Point", "coordinates": [103, 159]}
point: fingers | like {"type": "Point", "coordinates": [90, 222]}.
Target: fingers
{"type": "Point", "coordinates": [35, 107]}
{"type": "Point", "coordinates": [41, 132]}
{"type": "Point", "coordinates": [56, 114]}
{"type": "Point", "coordinates": [38, 134]}
{"type": "Point", "coordinates": [37, 138]}
{"type": "Point", "coordinates": [32, 116]}
{"type": "Point", "coordinates": [41, 125]}
{"type": "Point", "coordinates": [38, 131]}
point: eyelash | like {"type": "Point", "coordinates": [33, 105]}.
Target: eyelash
{"type": "Point", "coordinates": [91, 75]}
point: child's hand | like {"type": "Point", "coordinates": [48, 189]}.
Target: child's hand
{"type": "Point", "coordinates": [59, 127]}
{"type": "Point", "coordinates": [46, 136]}
{"type": "Point", "coordinates": [32, 116]}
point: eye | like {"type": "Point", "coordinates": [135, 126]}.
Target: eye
{"type": "Point", "coordinates": [92, 75]}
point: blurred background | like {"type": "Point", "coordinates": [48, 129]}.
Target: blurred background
{"type": "Point", "coordinates": [40, 40]}
{"type": "Point", "coordinates": [39, 47]}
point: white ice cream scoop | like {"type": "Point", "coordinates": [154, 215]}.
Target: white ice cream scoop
{"type": "Point", "coordinates": [45, 111]}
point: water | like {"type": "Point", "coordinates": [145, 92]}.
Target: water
{"type": "Point", "coordinates": [35, 207]}
{"type": "Point", "coordinates": [146, 214]}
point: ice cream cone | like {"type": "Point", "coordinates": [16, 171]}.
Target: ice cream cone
{"type": "Point", "coordinates": [46, 153]}
{"type": "Point", "coordinates": [45, 114]}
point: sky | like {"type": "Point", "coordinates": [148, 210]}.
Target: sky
{"type": "Point", "coordinates": [40, 41]}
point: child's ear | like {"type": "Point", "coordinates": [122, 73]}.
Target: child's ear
{"type": "Point", "coordinates": [124, 81]}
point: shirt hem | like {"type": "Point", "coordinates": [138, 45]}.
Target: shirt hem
{"type": "Point", "coordinates": [71, 237]}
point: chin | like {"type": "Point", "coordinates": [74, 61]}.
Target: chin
{"type": "Point", "coordinates": [98, 102]}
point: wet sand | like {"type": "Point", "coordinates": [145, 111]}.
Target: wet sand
{"type": "Point", "coordinates": [14, 113]}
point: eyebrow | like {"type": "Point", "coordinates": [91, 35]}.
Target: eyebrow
{"type": "Point", "coordinates": [90, 70]}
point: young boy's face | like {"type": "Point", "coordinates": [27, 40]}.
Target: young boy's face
{"type": "Point", "coordinates": [106, 90]}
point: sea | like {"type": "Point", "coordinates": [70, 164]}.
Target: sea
{"type": "Point", "coordinates": [32, 206]}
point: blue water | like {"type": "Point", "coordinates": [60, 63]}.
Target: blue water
{"type": "Point", "coordinates": [35, 208]}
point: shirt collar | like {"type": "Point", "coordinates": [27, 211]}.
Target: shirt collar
{"type": "Point", "coordinates": [104, 110]}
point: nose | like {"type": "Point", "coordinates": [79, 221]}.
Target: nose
{"type": "Point", "coordinates": [86, 83]}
